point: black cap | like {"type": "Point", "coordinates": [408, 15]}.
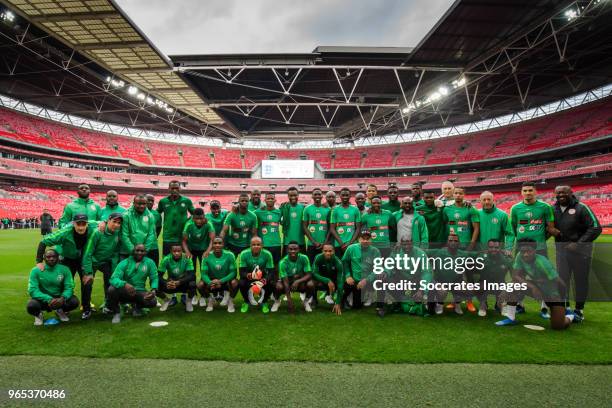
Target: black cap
{"type": "Point", "coordinates": [80, 218]}
{"type": "Point", "coordinates": [115, 215]}
{"type": "Point", "coordinates": [365, 232]}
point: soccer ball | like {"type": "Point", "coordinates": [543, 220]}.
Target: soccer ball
{"type": "Point", "coordinates": [256, 293]}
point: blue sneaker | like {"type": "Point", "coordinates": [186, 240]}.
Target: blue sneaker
{"type": "Point", "coordinates": [183, 298]}
{"type": "Point", "coordinates": [506, 322]}
{"type": "Point", "coordinates": [520, 309]}
{"type": "Point", "coordinates": [544, 314]}
{"type": "Point", "coordinates": [173, 301]}
{"type": "Point", "coordinates": [578, 316]}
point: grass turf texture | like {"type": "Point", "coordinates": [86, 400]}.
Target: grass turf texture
{"type": "Point", "coordinates": [317, 337]}
{"type": "Point", "coordinates": [94, 382]}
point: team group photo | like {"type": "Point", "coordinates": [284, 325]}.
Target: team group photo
{"type": "Point", "coordinates": [324, 203]}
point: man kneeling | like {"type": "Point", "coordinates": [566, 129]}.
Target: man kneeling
{"type": "Point", "coordinates": [181, 277]}
{"type": "Point", "coordinates": [218, 273]}
{"type": "Point", "coordinates": [128, 283]}
{"type": "Point", "coordinates": [542, 282]}
{"type": "Point", "coordinates": [294, 275]}
{"type": "Point", "coordinates": [51, 289]}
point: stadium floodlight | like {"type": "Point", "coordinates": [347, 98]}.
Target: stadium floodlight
{"type": "Point", "coordinates": [434, 96]}
{"type": "Point", "coordinates": [150, 100]}
{"type": "Point", "coordinates": [117, 83]}
{"type": "Point", "coordinates": [169, 109]}
{"type": "Point", "coordinates": [141, 96]}
{"type": "Point", "coordinates": [458, 82]}
{"type": "Point", "coordinates": [571, 14]}
{"type": "Point", "coordinates": [132, 90]}
{"type": "Point", "coordinates": [7, 16]}
{"type": "Point", "coordinates": [443, 90]}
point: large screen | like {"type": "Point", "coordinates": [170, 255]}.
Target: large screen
{"type": "Point", "coordinates": [290, 169]}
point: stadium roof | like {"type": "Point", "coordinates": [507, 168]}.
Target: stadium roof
{"type": "Point", "coordinates": [481, 60]}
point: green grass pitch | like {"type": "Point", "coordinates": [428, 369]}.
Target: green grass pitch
{"type": "Point", "coordinates": [304, 352]}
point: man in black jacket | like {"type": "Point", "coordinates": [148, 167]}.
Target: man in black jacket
{"type": "Point", "coordinates": [578, 228]}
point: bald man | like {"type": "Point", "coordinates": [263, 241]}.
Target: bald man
{"type": "Point", "coordinates": [112, 205]}
{"type": "Point", "coordinates": [448, 189]}
{"type": "Point", "coordinates": [494, 224]}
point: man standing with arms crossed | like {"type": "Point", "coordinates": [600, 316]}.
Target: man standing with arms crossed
{"type": "Point", "coordinates": [82, 205]}
{"type": "Point", "coordinates": [112, 205]}
{"type": "Point", "coordinates": [315, 225]}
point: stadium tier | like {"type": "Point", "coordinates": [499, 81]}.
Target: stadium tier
{"type": "Point", "coordinates": [566, 128]}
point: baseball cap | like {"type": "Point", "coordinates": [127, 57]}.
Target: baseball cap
{"type": "Point", "coordinates": [115, 215]}
{"type": "Point", "coordinates": [80, 218]}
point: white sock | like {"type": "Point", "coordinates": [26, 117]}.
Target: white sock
{"type": "Point", "coordinates": [570, 317]}
{"type": "Point", "coordinates": [511, 312]}
{"type": "Point", "coordinates": [544, 305]}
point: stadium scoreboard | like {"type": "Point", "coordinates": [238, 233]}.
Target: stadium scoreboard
{"type": "Point", "coordinates": [289, 169]}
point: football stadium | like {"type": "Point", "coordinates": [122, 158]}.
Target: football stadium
{"type": "Point", "coordinates": [426, 222]}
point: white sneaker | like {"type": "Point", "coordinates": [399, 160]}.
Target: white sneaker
{"type": "Point", "coordinates": [62, 315]}
{"type": "Point", "coordinates": [275, 306]}
{"type": "Point", "coordinates": [39, 320]}
{"type": "Point", "coordinates": [482, 312]}
{"type": "Point", "coordinates": [368, 302]}
{"type": "Point", "coordinates": [225, 300]}
{"type": "Point", "coordinates": [165, 305]}
{"type": "Point", "coordinates": [504, 311]}
{"type": "Point", "coordinates": [194, 301]}
{"type": "Point", "coordinates": [202, 301]}
{"type": "Point", "coordinates": [230, 305]}
{"type": "Point", "coordinates": [156, 305]}
{"type": "Point", "coordinates": [189, 306]}
{"type": "Point", "coordinates": [439, 308]}
{"type": "Point", "coordinates": [349, 299]}
{"type": "Point", "coordinates": [307, 307]}
{"type": "Point", "coordinates": [117, 318]}
{"type": "Point", "coordinates": [458, 309]}
{"type": "Point", "coordinates": [302, 296]}
{"type": "Point", "coordinates": [211, 305]}
{"type": "Point", "coordinates": [329, 300]}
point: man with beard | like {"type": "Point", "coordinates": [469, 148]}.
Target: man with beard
{"type": "Point", "coordinates": [255, 201]}
{"type": "Point", "coordinates": [417, 192]}
{"type": "Point", "coordinates": [175, 210]}
{"type": "Point", "coordinates": [239, 226]}
{"type": "Point", "coordinates": [292, 213]}
{"type": "Point", "coordinates": [218, 275]}
{"type": "Point", "coordinates": [128, 283]}
{"type": "Point", "coordinates": [410, 225]}
{"type": "Point", "coordinates": [360, 201]}
{"type": "Point", "coordinates": [252, 262]}
{"type": "Point", "coordinates": [138, 227]}
{"type": "Point", "coordinates": [112, 205]}
{"type": "Point", "coordinates": [494, 224]}
{"type": "Point", "coordinates": [51, 288]}
{"type": "Point", "coordinates": [82, 205]}
{"type": "Point", "coordinates": [216, 216]}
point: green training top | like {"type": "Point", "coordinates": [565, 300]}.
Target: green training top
{"type": "Point", "coordinates": [346, 220]}
{"type": "Point", "coordinates": [420, 232]}
{"type": "Point", "coordinates": [101, 247]}
{"type": "Point", "coordinates": [540, 270]}
{"type": "Point", "coordinates": [459, 220]}
{"type": "Point", "coordinates": [288, 268]}
{"type": "Point", "coordinates": [380, 225]}
{"type": "Point", "coordinates": [222, 267]}
{"type": "Point", "coordinates": [263, 261]}
{"type": "Point", "coordinates": [176, 269]}
{"type": "Point", "coordinates": [392, 206]}
{"type": "Point", "coordinates": [175, 215]}
{"type": "Point", "coordinates": [252, 207]}
{"type": "Point", "coordinates": [494, 224]}
{"type": "Point", "coordinates": [358, 263]}
{"type": "Point", "coordinates": [136, 274]}
{"type": "Point", "coordinates": [198, 238]}
{"type": "Point", "coordinates": [63, 240]}
{"type": "Point", "coordinates": [292, 223]}
{"type": "Point", "coordinates": [316, 219]}
{"type": "Point", "coordinates": [138, 228]}
{"type": "Point", "coordinates": [217, 222]}
{"type": "Point", "coordinates": [269, 222]}
{"type": "Point", "coordinates": [51, 283]}
{"type": "Point", "coordinates": [80, 206]}
{"type": "Point", "coordinates": [240, 226]}
{"type": "Point", "coordinates": [108, 210]}
{"type": "Point", "coordinates": [529, 220]}
{"type": "Point", "coordinates": [434, 219]}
